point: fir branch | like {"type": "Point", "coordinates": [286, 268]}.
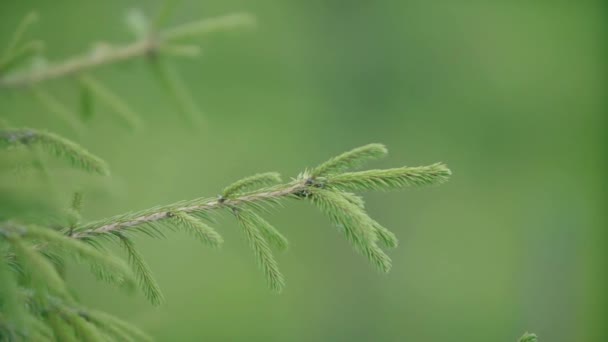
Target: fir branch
{"type": "Point", "coordinates": [270, 233]}
{"type": "Point", "coordinates": [350, 159]}
{"type": "Point", "coordinates": [113, 54]}
{"type": "Point", "coordinates": [261, 249]}
{"type": "Point", "coordinates": [197, 206]}
{"type": "Point", "coordinates": [387, 237]}
{"type": "Point", "coordinates": [55, 144]}
{"type": "Point", "coordinates": [198, 228]}
{"type": "Point", "coordinates": [250, 182]}
{"type": "Point", "coordinates": [390, 178]}
{"type": "Point", "coordinates": [144, 274]}
{"type": "Point", "coordinates": [356, 225]}
{"type": "Point", "coordinates": [346, 210]}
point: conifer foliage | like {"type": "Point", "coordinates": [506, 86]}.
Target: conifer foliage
{"type": "Point", "coordinates": [36, 301]}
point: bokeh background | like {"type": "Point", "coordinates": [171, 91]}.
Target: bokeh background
{"type": "Point", "coordinates": [511, 95]}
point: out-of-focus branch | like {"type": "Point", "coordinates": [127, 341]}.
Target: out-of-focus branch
{"type": "Point", "coordinates": [103, 55]}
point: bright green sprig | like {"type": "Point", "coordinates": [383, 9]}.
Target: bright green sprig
{"type": "Point", "coordinates": [198, 228]}
{"type": "Point", "coordinates": [356, 225]}
{"type": "Point", "coordinates": [351, 159]}
{"type": "Point", "coordinates": [387, 237]}
{"type": "Point", "coordinates": [389, 179]}
{"type": "Point", "coordinates": [271, 234]}
{"type": "Point", "coordinates": [57, 145]}
{"type": "Point", "coordinates": [329, 193]}
{"type": "Point", "coordinates": [251, 182]}
{"type": "Point", "coordinates": [142, 271]}
{"type": "Point", "coordinates": [261, 249]}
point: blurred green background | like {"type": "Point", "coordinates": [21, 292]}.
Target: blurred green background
{"type": "Point", "coordinates": [511, 95]}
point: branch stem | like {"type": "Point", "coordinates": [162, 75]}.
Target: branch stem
{"type": "Point", "coordinates": [75, 65]}
{"type": "Point", "coordinates": [112, 54]}
{"type": "Point", "coordinates": [286, 190]}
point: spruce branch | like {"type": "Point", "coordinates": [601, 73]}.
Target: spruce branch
{"type": "Point", "coordinates": [270, 233]}
{"type": "Point", "coordinates": [386, 236]}
{"type": "Point", "coordinates": [197, 228]}
{"type": "Point", "coordinates": [147, 46]}
{"type": "Point", "coordinates": [142, 271]}
{"type": "Point", "coordinates": [390, 178]}
{"type": "Point", "coordinates": [346, 210]}
{"type": "Point", "coordinates": [197, 207]}
{"type": "Point", "coordinates": [38, 248]}
{"type": "Point", "coordinates": [261, 249]}
{"type": "Point", "coordinates": [357, 226]}
{"type": "Point", "coordinates": [350, 159]}
{"type": "Point", "coordinates": [247, 183]}
{"type": "Point", "coordinates": [57, 145]}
